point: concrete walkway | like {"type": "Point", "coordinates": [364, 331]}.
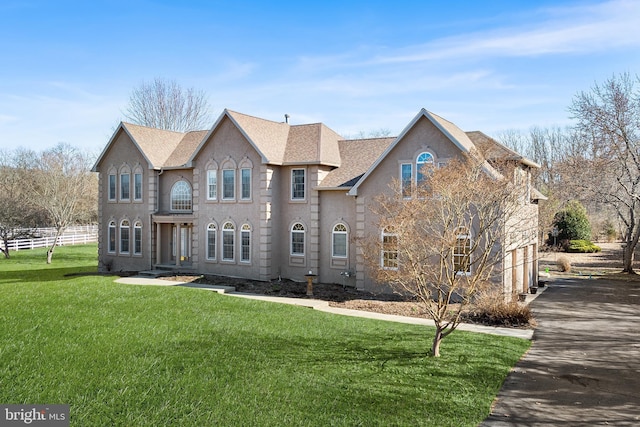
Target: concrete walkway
{"type": "Point", "coordinates": [584, 365]}
{"type": "Point", "coordinates": [324, 306]}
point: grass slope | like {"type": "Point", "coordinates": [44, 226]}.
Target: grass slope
{"type": "Point", "coordinates": [127, 355]}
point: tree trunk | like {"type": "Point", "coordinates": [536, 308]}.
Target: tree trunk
{"type": "Point", "coordinates": [55, 242]}
{"type": "Point", "coordinates": [437, 339]}
{"type": "Point", "coordinates": [5, 250]}
{"type": "Point", "coordinates": [627, 258]}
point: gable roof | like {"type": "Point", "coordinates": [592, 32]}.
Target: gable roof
{"type": "Point", "coordinates": [458, 137]}
{"type": "Point", "coordinates": [160, 148]}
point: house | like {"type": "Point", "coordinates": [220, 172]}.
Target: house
{"type": "Point", "coordinates": [260, 199]}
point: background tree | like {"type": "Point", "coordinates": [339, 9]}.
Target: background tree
{"type": "Point", "coordinates": [572, 222]}
{"type": "Point", "coordinates": [441, 246]}
{"type": "Point", "coordinates": [14, 211]}
{"type": "Point", "coordinates": [608, 121]}
{"type": "Point", "coordinates": [164, 104]}
{"type": "Point", "coordinates": [60, 184]}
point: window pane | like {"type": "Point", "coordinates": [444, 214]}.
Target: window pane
{"type": "Point", "coordinates": [137, 239]}
{"type": "Point", "coordinates": [137, 186]}
{"type": "Point", "coordinates": [406, 179]}
{"type": "Point", "coordinates": [227, 244]}
{"type": "Point", "coordinates": [297, 184]}
{"type": "Point", "coordinates": [124, 186]}
{"type": "Point", "coordinates": [245, 242]}
{"type": "Point", "coordinates": [246, 183]}
{"type": "Point", "coordinates": [181, 196]}
{"type": "Point", "coordinates": [423, 161]}
{"type": "Point", "coordinates": [112, 237]}
{"type": "Point", "coordinates": [211, 242]}
{"type": "Point", "coordinates": [228, 184]}
{"type": "Point", "coordinates": [212, 183]}
{"type": "Point", "coordinates": [124, 238]}
{"type": "Point", "coordinates": [297, 239]}
{"type": "Point", "coordinates": [340, 245]}
{"type": "Point", "coordinates": [389, 251]}
{"type": "Point", "coordinates": [112, 187]}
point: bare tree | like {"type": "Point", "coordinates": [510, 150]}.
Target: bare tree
{"type": "Point", "coordinates": [608, 119]}
{"type": "Point", "coordinates": [59, 185]}
{"type": "Point", "coordinates": [164, 104]}
{"type": "Point", "coordinates": [442, 245]}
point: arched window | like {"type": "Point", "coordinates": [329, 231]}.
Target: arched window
{"type": "Point", "coordinates": [181, 196]}
{"type": "Point", "coordinates": [297, 239]}
{"type": "Point", "coordinates": [137, 184]}
{"type": "Point", "coordinates": [124, 236]}
{"type": "Point", "coordinates": [137, 238]}
{"type": "Point", "coordinates": [245, 243]}
{"type": "Point", "coordinates": [211, 241]}
{"type": "Point", "coordinates": [112, 237]}
{"type": "Point", "coordinates": [462, 252]}
{"type": "Point", "coordinates": [339, 241]}
{"type": "Point", "coordinates": [228, 241]}
{"type": "Point", "coordinates": [389, 252]}
{"type": "Point", "coordinates": [423, 162]}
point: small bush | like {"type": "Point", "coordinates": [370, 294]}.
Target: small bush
{"type": "Point", "coordinates": [582, 246]}
{"type": "Point", "coordinates": [491, 309]}
{"type": "Point", "coordinates": [564, 264]}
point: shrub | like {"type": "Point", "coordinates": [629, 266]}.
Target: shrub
{"type": "Point", "coordinates": [564, 264]}
{"type": "Point", "coordinates": [572, 222]}
{"type": "Point", "coordinates": [489, 308]}
{"type": "Point", "coordinates": [582, 246]}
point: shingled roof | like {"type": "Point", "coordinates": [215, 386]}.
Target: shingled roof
{"type": "Point", "coordinates": [357, 156]}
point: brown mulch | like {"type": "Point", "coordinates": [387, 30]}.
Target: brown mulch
{"type": "Point", "coordinates": [605, 262]}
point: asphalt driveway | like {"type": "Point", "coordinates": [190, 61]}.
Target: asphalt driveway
{"type": "Point", "coordinates": [583, 368]}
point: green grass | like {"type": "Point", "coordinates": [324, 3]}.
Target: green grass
{"type": "Point", "coordinates": [123, 355]}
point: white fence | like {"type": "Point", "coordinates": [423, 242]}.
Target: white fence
{"type": "Point", "coordinates": [72, 236]}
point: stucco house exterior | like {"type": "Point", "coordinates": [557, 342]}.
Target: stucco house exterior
{"type": "Point", "coordinates": [261, 199]}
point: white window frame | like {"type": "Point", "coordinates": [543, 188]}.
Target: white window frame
{"type": "Point", "coordinates": [228, 230]}
{"type": "Point", "coordinates": [137, 238]}
{"type": "Point", "coordinates": [125, 230]}
{"type": "Point", "coordinates": [462, 235]}
{"type": "Point", "coordinates": [181, 199]}
{"type": "Point", "coordinates": [420, 177]}
{"type": "Point", "coordinates": [245, 184]}
{"type": "Point", "coordinates": [125, 197]}
{"type": "Point", "coordinates": [212, 184]}
{"type": "Point", "coordinates": [112, 241]}
{"type": "Point", "coordinates": [341, 230]}
{"type": "Point", "coordinates": [232, 186]}
{"type": "Point", "coordinates": [212, 231]}
{"type": "Point", "coordinates": [137, 186]}
{"type": "Point", "coordinates": [406, 183]}
{"type": "Point", "coordinates": [245, 243]}
{"type": "Point", "coordinates": [295, 190]}
{"type": "Point", "coordinates": [386, 261]}
{"type": "Point", "coordinates": [112, 185]}
{"type": "Point", "coordinates": [297, 230]}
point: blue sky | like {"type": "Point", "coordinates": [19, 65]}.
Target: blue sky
{"type": "Point", "coordinates": [67, 67]}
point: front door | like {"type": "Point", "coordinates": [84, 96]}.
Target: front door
{"type": "Point", "coordinates": [181, 245]}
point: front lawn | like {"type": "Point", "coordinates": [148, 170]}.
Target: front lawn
{"type": "Point", "coordinates": [124, 355]}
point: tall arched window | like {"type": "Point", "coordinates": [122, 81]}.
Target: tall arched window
{"type": "Point", "coordinates": [181, 196]}
{"type": "Point", "coordinates": [124, 236]}
{"type": "Point", "coordinates": [137, 238]}
{"type": "Point", "coordinates": [228, 241]}
{"type": "Point", "coordinates": [245, 243]}
{"type": "Point", "coordinates": [112, 237]}
{"type": "Point", "coordinates": [339, 241]}
{"type": "Point", "coordinates": [211, 241]}
{"type": "Point", "coordinates": [423, 161]}
{"type": "Point", "coordinates": [297, 239]}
